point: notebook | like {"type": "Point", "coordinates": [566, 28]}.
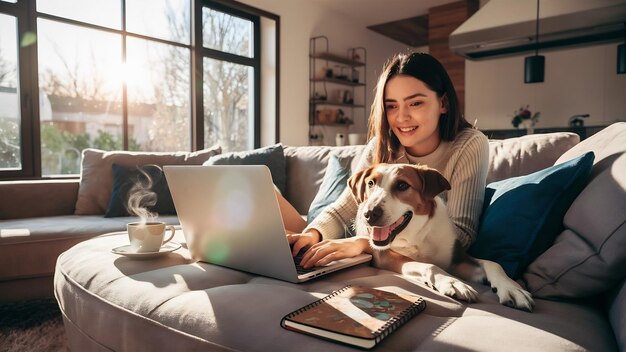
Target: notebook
{"type": "Point", "coordinates": [230, 217]}
{"type": "Point", "coordinates": [355, 315]}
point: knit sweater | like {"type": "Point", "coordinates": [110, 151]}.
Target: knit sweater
{"type": "Point", "coordinates": [463, 162]}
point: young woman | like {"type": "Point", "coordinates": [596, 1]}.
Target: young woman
{"type": "Point", "coordinates": [415, 119]}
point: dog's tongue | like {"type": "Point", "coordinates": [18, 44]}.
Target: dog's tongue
{"type": "Point", "coordinates": [382, 233]}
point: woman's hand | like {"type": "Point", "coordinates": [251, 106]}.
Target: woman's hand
{"type": "Point", "coordinates": [302, 240]}
{"type": "Point", "coordinates": [327, 251]}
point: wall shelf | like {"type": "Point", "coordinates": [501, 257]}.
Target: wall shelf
{"type": "Point", "coordinates": [340, 82]}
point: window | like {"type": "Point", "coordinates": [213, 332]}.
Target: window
{"type": "Point", "coordinates": [230, 70]}
{"type": "Point", "coordinates": [10, 145]}
{"type": "Point", "coordinates": [119, 75]}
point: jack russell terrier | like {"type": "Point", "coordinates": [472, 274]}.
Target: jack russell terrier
{"type": "Point", "coordinates": [411, 233]}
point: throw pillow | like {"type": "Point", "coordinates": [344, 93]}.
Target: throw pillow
{"type": "Point", "coordinates": [333, 184]}
{"type": "Point", "coordinates": [272, 156]}
{"type": "Point", "coordinates": [150, 193]}
{"type": "Point", "coordinates": [527, 154]}
{"type": "Point", "coordinates": [96, 178]}
{"type": "Point", "coordinates": [524, 214]}
{"type": "Point", "coordinates": [587, 258]}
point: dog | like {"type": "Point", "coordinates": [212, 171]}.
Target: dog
{"type": "Point", "coordinates": [411, 233]}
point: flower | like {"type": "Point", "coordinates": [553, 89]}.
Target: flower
{"type": "Point", "coordinates": [524, 114]}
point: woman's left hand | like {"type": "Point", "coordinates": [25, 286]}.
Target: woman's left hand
{"type": "Point", "coordinates": [328, 251]}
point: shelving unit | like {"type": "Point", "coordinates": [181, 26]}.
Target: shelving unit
{"type": "Point", "coordinates": [337, 89]}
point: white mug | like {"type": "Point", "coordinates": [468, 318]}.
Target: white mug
{"type": "Point", "coordinates": [148, 236]}
{"type": "Point", "coordinates": [356, 138]}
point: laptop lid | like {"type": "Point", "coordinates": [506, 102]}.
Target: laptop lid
{"type": "Point", "coordinates": [230, 217]}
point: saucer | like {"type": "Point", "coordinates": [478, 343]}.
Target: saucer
{"type": "Point", "coordinates": [129, 252]}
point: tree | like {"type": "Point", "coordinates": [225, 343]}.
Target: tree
{"type": "Point", "coordinates": [225, 84]}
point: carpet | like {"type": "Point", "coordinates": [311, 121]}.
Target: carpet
{"type": "Point", "coordinates": [34, 325]}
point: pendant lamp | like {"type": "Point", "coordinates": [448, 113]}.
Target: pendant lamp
{"type": "Point", "coordinates": [534, 66]}
{"type": "Point", "coordinates": [621, 55]}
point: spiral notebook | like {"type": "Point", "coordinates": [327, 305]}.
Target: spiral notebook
{"type": "Point", "coordinates": [355, 315]}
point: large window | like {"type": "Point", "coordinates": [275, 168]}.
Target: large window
{"type": "Point", "coordinates": [120, 75]}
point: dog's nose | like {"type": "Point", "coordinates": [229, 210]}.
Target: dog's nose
{"type": "Point", "coordinates": [373, 215]}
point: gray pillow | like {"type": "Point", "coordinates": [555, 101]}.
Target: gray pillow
{"type": "Point", "coordinates": [272, 156]}
{"type": "Point", "coordinates": [96, 178]}
{"type": "Point", "coordinates": [589, 256]}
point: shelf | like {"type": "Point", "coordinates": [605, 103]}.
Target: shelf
{"type": "Point", "coordinates": [344, 82]}
{"type": "Point", "coordinates": [338, 59]}
{"type": "Point", "coordinates": [335, 103]}
{"type": "Point", "coordinates": [337, 124]}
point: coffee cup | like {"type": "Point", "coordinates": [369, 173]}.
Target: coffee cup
{"type": "Point", "coordinates": [148, 236]}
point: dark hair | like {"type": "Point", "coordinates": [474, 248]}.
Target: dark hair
{"type": "Point", "coordinates": [428, 70]}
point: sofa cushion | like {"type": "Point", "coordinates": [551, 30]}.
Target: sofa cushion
{"type": "Point", "coordinates": [588, 257]}
{"type": "Point", "coordinates": [30, 247]}
{"type": "Point", "coordinates": [151, 196]}
{"type": "Point", "coordinates": [176, 303]}
{"type": "Point", "coordinates": [523, 214]}
{"type": "Point", "coordinates": [307, 166]}
{"type": "Point", "coordinates": [271, 156]}
{"type": "Point", "coordinates": [334, 183]}
{"type": "Point", "coordinates": [96, 178]}
{"type": "Point", "coordinates": [526, 154]}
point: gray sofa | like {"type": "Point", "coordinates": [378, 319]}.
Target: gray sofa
{"type": "Point", "coordinates": [176, 303]}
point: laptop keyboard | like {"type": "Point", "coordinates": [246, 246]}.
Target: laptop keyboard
{"type": "Point", "coordinates": [299, 268]}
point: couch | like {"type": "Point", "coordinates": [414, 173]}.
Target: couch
{"type": "Point", "coordinates": [194, 305]}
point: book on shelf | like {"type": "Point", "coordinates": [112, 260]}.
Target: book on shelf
{"type": "Point", "coordinates": [355, 315]}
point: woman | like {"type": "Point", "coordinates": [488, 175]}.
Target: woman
{"type": "Point", "coordinates": [415, 119]}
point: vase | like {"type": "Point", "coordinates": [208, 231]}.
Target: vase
{"type": "Point", "coordinates": [529, 125]}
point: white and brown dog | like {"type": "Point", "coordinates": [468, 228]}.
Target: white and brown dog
{"type": "Point", "coordinates": [400, 209]}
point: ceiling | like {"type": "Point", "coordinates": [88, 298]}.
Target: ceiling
{"type": "Point", "coordinates": [403, 20]}
{"type": "Point", "coordinates": [372, 12]}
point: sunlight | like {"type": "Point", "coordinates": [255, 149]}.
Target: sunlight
{"type": "Point", "coordinates": [128, 73]}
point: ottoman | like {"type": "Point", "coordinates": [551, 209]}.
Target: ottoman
{"type": "Point", "coordinates": [172, 303]}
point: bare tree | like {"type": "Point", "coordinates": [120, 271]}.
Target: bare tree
{"type": "Point", "coordinates": [225, 84]}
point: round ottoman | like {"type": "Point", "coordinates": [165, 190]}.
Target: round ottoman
{"type": "Point", "coordinates": [172, 303]}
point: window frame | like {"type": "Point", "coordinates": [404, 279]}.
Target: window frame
{"type": "Point", "coordinates": [28, 73]}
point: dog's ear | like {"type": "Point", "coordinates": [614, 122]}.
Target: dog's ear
{"type": "Point", "coordinates": [357, 184]}
{"type": "Point", "coordinates": [433, 182]}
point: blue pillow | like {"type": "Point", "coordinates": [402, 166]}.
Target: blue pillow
{"type": "Point", "coordinates": [523, 215]}
{"type": "Point", "coordinates": [333, 184]}
{"type": "Point", "coordinates": [272, 156]}
{"type": "Point", "coordinates": [123, 180]}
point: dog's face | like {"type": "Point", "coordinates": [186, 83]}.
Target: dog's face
{"type": "Point", "coordinates": [392, 196]}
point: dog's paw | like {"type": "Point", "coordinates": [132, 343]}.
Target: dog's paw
{"type": "Point", "coordinates": [438, 279]}
{"type": "Point", "coordinates": [454, 288]}
{"type": "Point", "coordinates": [513, 295]}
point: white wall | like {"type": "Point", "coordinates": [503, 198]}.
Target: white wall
{"type": "Point", "coordinates": [299, 21]}
{"type": "Point", "coordinates": [577, 81]}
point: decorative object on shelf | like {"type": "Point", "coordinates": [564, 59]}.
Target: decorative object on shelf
{"type": "Point", "coordinates": [340, 139]}
{"type": "Point", "coordinates": [577, 120]}
{"type": "Point", "coordinates": [357, 138]}
{"type": "Point", "coordinates": [525, 118]}
{"type": "Point", "coordinates": [534, 66]}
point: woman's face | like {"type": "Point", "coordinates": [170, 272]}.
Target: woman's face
{"type": "Point", "coordinates": [413, 111]}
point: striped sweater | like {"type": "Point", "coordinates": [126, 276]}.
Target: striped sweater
{"type": "Point", "coordinates": [463, 162]}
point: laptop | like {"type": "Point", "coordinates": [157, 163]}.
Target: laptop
{"type": "Point", "coordinates": [230, 217]}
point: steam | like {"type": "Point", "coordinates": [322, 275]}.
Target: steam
{"type": "Point", "coordinates": [141, 197]}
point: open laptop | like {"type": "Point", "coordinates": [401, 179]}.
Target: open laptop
{"type": "Point", "coordinates": [230, 217]}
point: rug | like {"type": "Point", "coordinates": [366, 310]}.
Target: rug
{"type": "Point", "coordinates": [34, 325]}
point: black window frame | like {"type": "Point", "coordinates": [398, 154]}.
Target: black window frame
{"type": "Point", "coordinates": [28, 69]}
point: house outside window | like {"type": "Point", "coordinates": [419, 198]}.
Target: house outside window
{"type": "Point", "coordinates": [118, 75]}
